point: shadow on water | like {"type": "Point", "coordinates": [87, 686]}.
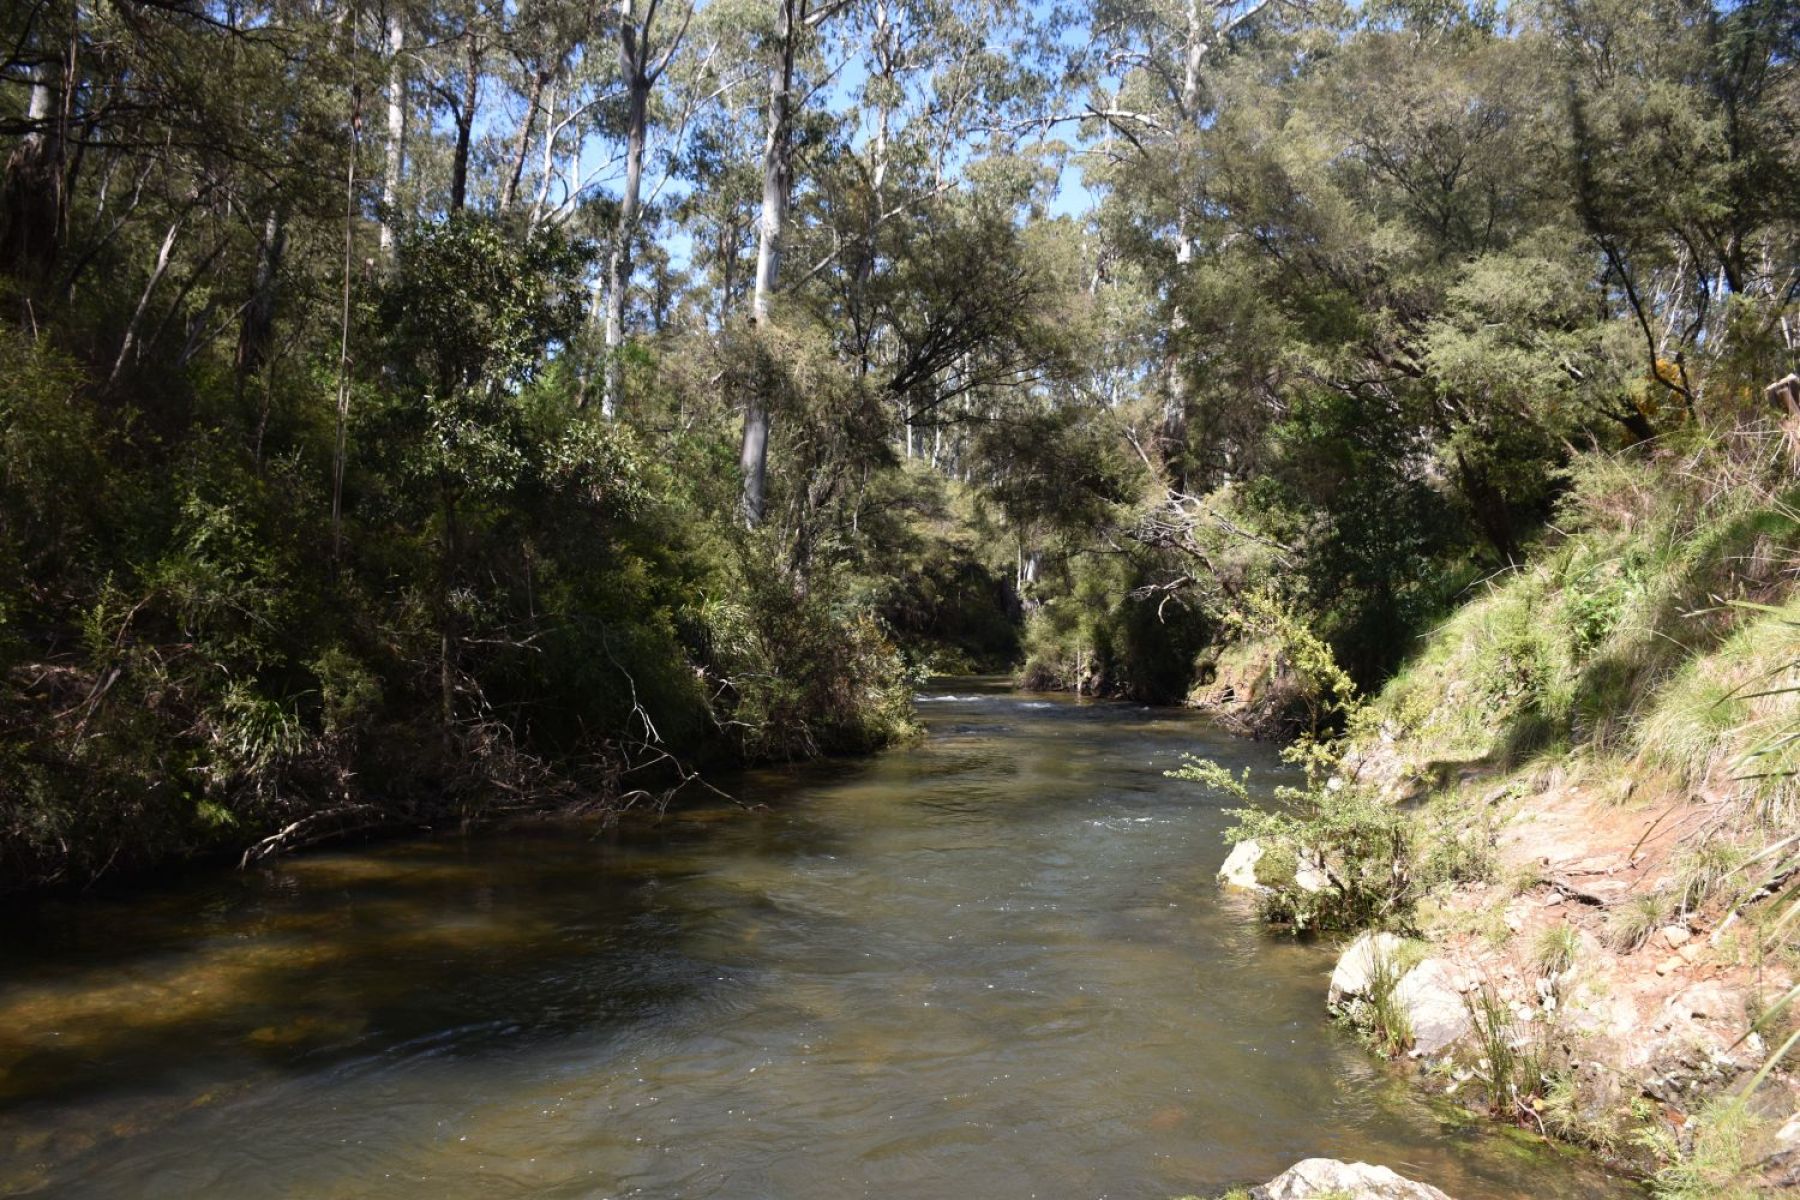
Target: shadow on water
{"type": "Point", "coordinates": [994, 962]}
{"type": "Point", "coordinates": [408, 948]}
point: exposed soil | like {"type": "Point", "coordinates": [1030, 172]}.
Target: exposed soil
{"type": "Point", "coordinates": [1654, 1019]}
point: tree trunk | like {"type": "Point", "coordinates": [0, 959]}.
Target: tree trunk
{"type": "Point", "coordinates": [522, 145]}
{"type": "Point", "coordinates": [465, 126]}
{"type": "Point", "coordinates": [340, 444]}
{"type": "Point", "coordinates": [257, 329]}
{"type": "Point", "coordinates": [778, 185]}
{"type": "Point", "coordinates": [634, 65]}
{"type": "Point", "coordinates": [394, 168]}
{"type": "Point", "coordinates": [727, 269]}
{"type": "Point", "coordinates": [31, 202]}
{"type": "Point", "coordinates": [137, 315]}
{"type": "Point", "coordinates": [886, 67]}
{"type": "Point", "coordinates": [1177, 401]}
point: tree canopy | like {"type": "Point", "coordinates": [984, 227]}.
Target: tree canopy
{"type": "Point", "coordinates": [421, 406]}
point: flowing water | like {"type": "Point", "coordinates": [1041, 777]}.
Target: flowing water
{"type": "Point", "coordinates": [993, 965]}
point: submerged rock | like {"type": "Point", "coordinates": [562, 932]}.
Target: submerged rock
{"type": "Point", "coordinates": [1317, 1178]}
{"type": "Point", "coordinates": [1239, 870]}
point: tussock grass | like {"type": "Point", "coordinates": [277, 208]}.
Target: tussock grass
{"type": "Point", "coordinates": [1555, 950]}
{"type": "Point", "coordinates": [1717, 1165]}
{"type": "Point", "coordinates": [1380, 1016]}
{"type": "Point", "coordinates": [1510, 1064]}
{"type": "Point", "coordinates": [1657, 634]}
{"type": "Point", "coordinates": [1631, 924]}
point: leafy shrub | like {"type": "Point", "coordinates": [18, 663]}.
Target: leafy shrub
{"type": "Point", "coordinates": [1363, 847]}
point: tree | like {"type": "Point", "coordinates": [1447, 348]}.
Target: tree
{"type": "Point", "coordinates": [640, 65]}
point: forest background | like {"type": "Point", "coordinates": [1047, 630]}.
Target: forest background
{"type": "Point", "coordinates": [419, 410]}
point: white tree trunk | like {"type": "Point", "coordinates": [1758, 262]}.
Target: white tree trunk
{"type": "Point", "coordinates": [137, 314]}
{"type": "Point", "coordinates": [634, 55]}
{"type": "Point", "coordinates": [394, 169]}
{"type": "Point", "coordinates": [778, 185]}
{"type": "Point", "coordinates": [1194, 51]}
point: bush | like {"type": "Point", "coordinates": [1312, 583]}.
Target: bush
{"type": "Point", "coordinates": [1364, 848]}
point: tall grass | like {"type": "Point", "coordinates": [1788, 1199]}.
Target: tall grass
{"type": "Point", "coordinates": [1623, 636]}
{"type": "Point", "coordinates": [1385, 1021]}
{"type": "Point", "coordinates": [1510, 1066]}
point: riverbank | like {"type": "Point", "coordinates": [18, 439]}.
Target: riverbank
{"type": "Point", "coordinates": [1588, 776]}
{"type": "Point", "coordinates": [1562, 996]}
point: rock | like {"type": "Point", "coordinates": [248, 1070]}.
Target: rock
{"type": "Point", "coordinates": [1669, 964]}
{"type": "Point", "coordinates": [1310, 875]}
{"type": "Point", "coordinates": [1706, 1002]}
{"type": "Point", "coordinates": [1691, 951]}
{"type": "Point", "coordinates": [1327, 1177]}
{"type": "Point", "coordinates": [1350, 978]}
{"type": "Point", "coordinates": [1684, 1074]}
{"type": "Point", "coordinates": [1239, 870]}
{"type": "Point", "coordinates": [1676, 936]}
{"type": "Point", "coordinates": [1431, 995]}
{"type": "Point", "coordinates": [1780, 1172]}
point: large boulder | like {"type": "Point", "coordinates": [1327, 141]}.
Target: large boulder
{"type": "Point", "coordinates": [1310, 875]}
{"type": "Point", "coordinates": [1356, 965]}
{"type": "Point", "coordinates": [1431, 996]}
{"type": "Point", "coordinates": [1327, 1177]}
{"type": "Point", "coordinates": [1239, 870]}
{"type": "Point", "coordinates": [1240, 867]}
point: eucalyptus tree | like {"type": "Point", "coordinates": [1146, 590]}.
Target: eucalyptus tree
{"type": "Point", "coordinates": [785, 46]}
{"type": "Point", "coordinates": [1149, 71]}
{"type": "Point", "coordinates": [944, 89]}
{"type": "Point", "coordinates": [949, 87]}
{"type": "Point", "coordinates": [396, 101]}
{"type": "Point", "coordinates": [641, 63]}
{"type": "Point", "coordinates": [1697, 224]}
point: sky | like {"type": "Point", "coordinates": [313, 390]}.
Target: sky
{"type": "Point", "coordinates": [498, 123]}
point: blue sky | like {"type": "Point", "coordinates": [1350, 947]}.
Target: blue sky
{"type": "Point", "coordinates": [1072, 197]}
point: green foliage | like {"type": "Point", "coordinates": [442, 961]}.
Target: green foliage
{"type": "Point", "coordinates": [936, 575]}
{"type": "Point", "coordinates": [802, 675]}
{"type": "Point", "coordinates": [1095, 631]}
{"type": "Point", "coordinates": [1324, 687]}
{"type": "Point", "coordinates": [475, 302]}
{"type": "Point", "coordinates": [1555, 950]}
{"type": "Point", "coordinates": [1717, 1165]}
{"type": "Point", "coordinates": [1338, 855]}
{"type": "Point", "coordinates": [1364, 847]}
{"type": "Point", "coordinates": [1509, 1065]}
{"type": "Point", "coordinates": [1614, 639]}
{"type": "Point", "coordinates": [1358, 852]}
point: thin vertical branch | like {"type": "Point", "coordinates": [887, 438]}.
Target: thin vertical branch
{"type": "Point", "coordinates": [343, 380]}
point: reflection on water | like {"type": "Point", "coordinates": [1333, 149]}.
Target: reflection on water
{"type": "Point", "coordinates": [993, 965]}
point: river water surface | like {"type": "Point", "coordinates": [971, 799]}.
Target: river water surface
{"type": "Point", "coordinates": [994, 965]}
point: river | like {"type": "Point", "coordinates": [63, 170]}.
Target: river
{"type": "Point", "coordinates": [991, 965]}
